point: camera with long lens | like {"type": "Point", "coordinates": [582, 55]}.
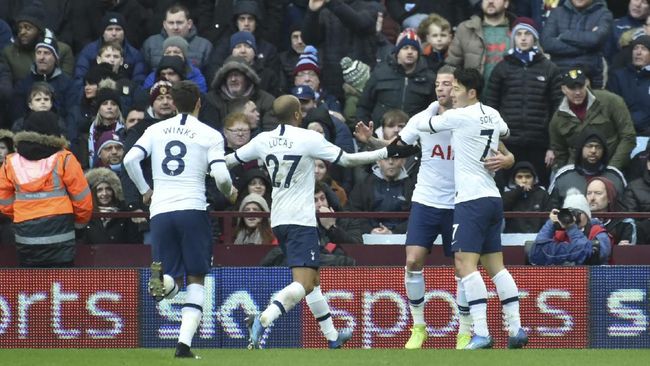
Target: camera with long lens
{"type": "Point", "coordinates": [567, 216]}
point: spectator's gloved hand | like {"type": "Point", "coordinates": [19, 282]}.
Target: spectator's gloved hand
{"type": "Point", "coordinates": [401, 151]}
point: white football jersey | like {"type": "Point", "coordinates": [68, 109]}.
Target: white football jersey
{"type": "Point", "coordinates": [182, 149]}
{"type": "Point", "coordinates": [435, 185]}
{"type": "Point", "coordinates": [288, 153]}
{"type": "Point", "coordinates": [475, 132]}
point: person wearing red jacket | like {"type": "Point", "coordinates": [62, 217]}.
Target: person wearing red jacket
{"type": "Point", "coordinates": [44, 191]}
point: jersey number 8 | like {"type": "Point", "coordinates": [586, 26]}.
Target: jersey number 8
{"type": "Point", "coordinates": [174, 159]}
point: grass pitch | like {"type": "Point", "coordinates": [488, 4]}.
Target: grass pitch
{"type": "Point", "coordinates": [317, 357]}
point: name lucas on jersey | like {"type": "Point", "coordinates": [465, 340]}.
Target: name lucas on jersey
{"type": "Point", "coordinates": [438, 151]}
{"type": "Point", "coordinates": [280, 142]}
{"type": "Point", "coordinates": [183, 131]}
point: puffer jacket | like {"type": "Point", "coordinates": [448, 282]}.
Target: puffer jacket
{"type": "Point", "coordinates": [198, 51]}
{"type": "Point", "coordinates": [634, 87]}
{"type": "Point", "coordinates": [390, 87]}
{"type": "Point", "coordinates": [44, 190]}
{"type": "Point", "coordinates": [576, 250]}
{"type": "Point", "coordinates": [578, 37]}
{"type": "Point", "coordinates": [525, 95]}
{"type": "Point", "coordinates": [608, 115]}
{"type": "Point", "coordinates": [341, 28]}
{"type": "Point", "coordinates": [218, 103]}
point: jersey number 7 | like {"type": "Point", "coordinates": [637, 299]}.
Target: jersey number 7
{"type": "Point", "coordinates": [295, 159]}
{"type": "Point", "coordinates": [487, 133]}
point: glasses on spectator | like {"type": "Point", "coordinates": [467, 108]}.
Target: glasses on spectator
{"type": "Point", "coordinates": [240, 131]}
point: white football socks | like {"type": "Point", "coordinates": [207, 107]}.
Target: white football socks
{"type": "Point", "coordinates": [170, 293]}
{"type": "Point", "coordinates": [414, 283]}
{"type": "Point", "coordinates": [509, 296]}
{"type": "Point", "coordinates": [464, 319]}
{"type": "Point", "coordinates": [284, 301]}
{"type": "Point", "coordinates": [321, 310]}
{"type": "Point", "coordinates": [476, 294]}
{"type": "Point", "coordinates": [191, 313]}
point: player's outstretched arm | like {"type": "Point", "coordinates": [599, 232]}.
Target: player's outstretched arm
{"type": "Point", "coordinates": [132, 161]}
{"type": "Point", "coordinates": [393, 150]}
{"type": "Point", "coordinates": [221, 175]}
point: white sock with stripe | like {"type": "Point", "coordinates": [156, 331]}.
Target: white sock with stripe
{"type": "Point", "coordinates": [414, 284]}
{"type": "Point", "coordinates": [321, 311]}
{"type": "Point", "coordinates": [476, 294]}
{"type": "Point", "coordinates": [284, 301]}
{"type": "Point", "coordinates": [464, 318]}
{"type": "Point", "coordinates": [191, 313]}
{"type": "Point", "coordinates": [509, 296]}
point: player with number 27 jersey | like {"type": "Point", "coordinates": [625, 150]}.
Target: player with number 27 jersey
{"type": "Point", "coordinates": [288, 153]}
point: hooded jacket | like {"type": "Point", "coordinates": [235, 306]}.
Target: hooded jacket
{"type": "Point", "coordinates": [516, 199]}
{"type": "Point", "coordinates": [42, 187]}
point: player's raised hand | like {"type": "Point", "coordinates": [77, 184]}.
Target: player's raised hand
{"type": "Point", "coordinates": [397, 150]}
{"type": "Point", "coordinates": [316, 5]}
{"type": "Point", "coordinates": [146, 198]}
{"type": "Point", "coordinates": [363, 132]}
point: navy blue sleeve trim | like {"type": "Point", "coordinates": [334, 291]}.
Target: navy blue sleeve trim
{"type": "Point", "coordinates": [146, 154]}
{"type": "Point", "coordinates": [431, 126]}
{"type": "Point", "coordinates": [238, 159]}
{"type": "Point", "coordinates": [338, 157]}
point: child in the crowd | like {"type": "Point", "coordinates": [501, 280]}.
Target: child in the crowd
{"type": "Point", "coordinates": [41, 99]}
{"type": "Point", "coordinates": [437, 33]}
{"type": "Point", "coordinates": [254, 230]}
{"type": "Point", "coordinates": [524, 193]}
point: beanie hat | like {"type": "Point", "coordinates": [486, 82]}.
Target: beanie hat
{"type": "Point", "coordinates": [113, 18]}
{"type": "Point", "coordinates": [308, 60]}
{"type": "Point", "coordinates": [34, 14]}
{"type": "Point", "coordinates": [355, 73]}
{"type": "Point", "coordinates": [408, 38]}
{"type": "Point", "coordinates": [50, 43]}
{"type": "Point", "coordinates": [610, 189]}
{"type": "Point", "coordinates": [254, 198]}
{"type": "Point", "coordinates": [576, 200]}
{"type": "Point", "coordinates": [246, 7]}
{"type": "Point", "coordinates": [104, 94]}
{"type": "Point", "coordinates": [243, 37]}
{"type": "Point", "coordinates": [106, 138]}
{"type": "Point", "coordinates": [175, 63]}
{"type": "Point", "coordinates": [643, 40]}
{"type": "Point", "coordinates": [98, 72]}
{"type": "Point", "coordinates": [45, 123]}
{"type": "Point", "coordinates": [162, 87]}
{"type": "Point", "coordinates": [177, 41]}
{"type": "Point", "coordinates": [527, 24]}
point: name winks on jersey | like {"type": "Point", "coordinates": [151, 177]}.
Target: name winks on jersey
{"type": "Point", "coordinates": [280, 142]}
{"type": "Point", "coordinates": [183, 131]}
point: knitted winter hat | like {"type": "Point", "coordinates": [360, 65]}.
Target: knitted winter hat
{"type": "Point", "coordinates": [105, 139]}
{"type": "Point", "coordinates": [177, 41]}
{"type": "Point", "coordinates": [160, 88]}
{"type": "Point", "coordinates": [104, 94]}
{"type": "Point", "coordinates": [355, 73]}
{"type": "Point", "coordinates": [45, 123]}
{"type": "Point", "coordinates": [408, 38]}
{"type": "Point", "coordinates": [49, 42]}
{"type": "Point", "coordinates": [254, 198]}
{"type": "Point", "coordinates": [34, 14]}
{"type": "Point", "coordinates": [98, 72]}
{"type": "Point", "coordinates": [527, 24]}
{"type": "Point", "coordinates": [113, 18]}
{"type": "Point", "coordinates": [308, 60]}
{"type": "Point", "coordinates": [175, 63]}
{"type": "Point", "coordinates": [243, 37]}
{"type": "Point", "coordinates": [577, 201]}
{"type": "Point", "coordinates": [643, 40]}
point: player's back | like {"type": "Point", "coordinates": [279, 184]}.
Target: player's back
{"type": "Point", "coordinates": [181, 149]}
{"type": "Point", "coordinates": [288, 153]}
{"type": "Point", "coordinates": [474, 138]}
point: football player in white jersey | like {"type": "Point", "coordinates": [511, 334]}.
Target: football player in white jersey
{"type": "Point", "coordinates": [288, 152]}
{"type": "Point", "coordinates": [183, 150]}
{"type": "Point", "coordinates": [478, 212]}
{"type": "Point", "coordinates": [433, 203]}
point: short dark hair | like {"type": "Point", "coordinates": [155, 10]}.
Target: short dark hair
{"type": "Point", "coordinates": [185, 94]}
{"type": "Point", "coordinates": [320, 187]}
{"type": "Point", "coordinates": [175, 8]}
{"type": "Point", "coordinates": [470, 79]}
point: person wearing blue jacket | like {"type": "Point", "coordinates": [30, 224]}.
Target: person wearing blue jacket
{"type": "Point", "coordinates": [575, 240]}
{"type": "Point", "coordinates": [114, 31]}
{"type": "Point", "coordinates": [178, 46]}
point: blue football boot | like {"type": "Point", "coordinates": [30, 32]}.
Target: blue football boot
{"type": "Point", "coordinates": [343, 337]}
{"type": "Point", "coordinates": [255, 331]}
{"type": "Point", "coordinates": [518, 341]}
{"type": "Point", "coordinates": [479, 342]}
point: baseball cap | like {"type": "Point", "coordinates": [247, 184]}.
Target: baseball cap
{"type": "Point", "coordinates": [304, 92]}
{"type": "Point", "coordinates": [574, 77]}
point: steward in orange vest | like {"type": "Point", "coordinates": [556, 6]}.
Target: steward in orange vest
{"type": "Point", "coordinates": [43, 188]}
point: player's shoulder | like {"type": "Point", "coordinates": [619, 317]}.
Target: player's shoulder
{"type": "Point", "coordinates": [425, 114]}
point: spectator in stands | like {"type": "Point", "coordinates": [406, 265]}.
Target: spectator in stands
{"type": "Point", "coordinates": [637, 199]}
{"type": "Point", "coordinates": [538, 10]}
{"type": "Point", "coordinates": [5, 34]}
{"type": "Point", "coordinates": [236, 80]}
{"type": "Point", "coordinates": [66, 91]}
{"type": "Point", "coordinates": [481, 42]}
{"type": "Point", "coordinates": [332, 230]}
{"type": "Point", "coordinates": [576, 34]}
{"type": "Point", "coordinates": [321, 169]}
{"type": "Point", "coordinates": [410, 13]}
{"type": "Point", "coordinates": [524, 193]}
{"type": "Point", "coordinates": [333, 128]}
{"type": "Point", "coordinates": [41, 98]}
{"type": "Point", "coordinates": [602, 197]}
{"type": "Point", "coordinates": [113, 25]}
{"type": "Point", "coordinates": [355, 76]}
{"type": "Point", "coordinates": [387, 189]}
{"type": "Point", "coordinates": [57, 199]}
{"type": "Point", "coordinates": [633, 84]}
{"type": "Point", "coordinates": [30, 29]}
{"type": "Point", "coordinates": [171, 68]}
{"type": "Point", "coordinates": [7, 235]}
{"type": "Point", "coordinates": [437, 34]}
{"type": "Point", "coordinates": [243, 44]}
{"type": "Point", "coordinates": [591, 152]}
{"type": "Point", "coordinates": [600, 110]}
{"type": "Point", "coordinates": [133, 117]}
{"type": "Point", "coordinates": [107, 196]}
{"type": "Point", "coordinates": [289, 58]}
{"type": "Point", "coordinates": [307, 71]}
{"type": "Point", "coordinates": [624, 56]}
{"type": "Point", "coordinates": [6, 93]}
{"type": "Point", "coordinates": [340, 28]}
{"type": "Point", "coordinates": [6, 145]}
{"type": "Point", "coordinates": [525, 89]}
{"type": "Point", "coordinates": [249, 109]}
{"type": "Point", "coordinates": [402, 82]}
{"type": "Point", "coordinates": [178, 46]}
{"type": "Point", "coordinates": [109, 119]}
{"type": "Point", "coordinates": [637, 12]}
{"type": "Point", "coordinates": [571, 238]}
{"type": "Point", "coordinates": [254, 230]}
{"type": "Point", "coordinates": [254, 180]}
{"type": "Point", "coordinates": [246, 17]}
{"type": "Point", "coordinates": [88, 108]}
{"type": "Point", "coordinates": [110, 151]}
{"type": "Point", "coordinates": [112, 54]}
{"type": "Point", "coordinates": [237, 131]}
{"type": "Point", "coordinates": [177, 23]}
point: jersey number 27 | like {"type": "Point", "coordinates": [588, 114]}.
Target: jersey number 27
{"type": "Point", "coordinates": [294, 159]}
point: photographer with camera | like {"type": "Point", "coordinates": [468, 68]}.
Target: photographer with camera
{"type": "Point", "coordinates": [570, 236]}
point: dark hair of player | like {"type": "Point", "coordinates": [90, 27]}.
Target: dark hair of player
{"type": "Point", "coordinates": [185, 95]}
{"type": "Point", "coordinates": [470, 79]}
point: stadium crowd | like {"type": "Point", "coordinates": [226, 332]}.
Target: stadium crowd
{"type": "Point", "coordinates": [571, 81]}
